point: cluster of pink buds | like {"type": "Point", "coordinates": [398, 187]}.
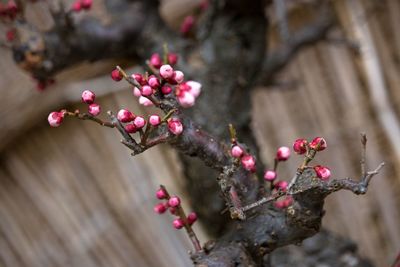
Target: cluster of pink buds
{"type": "Point", "coordinates": [173, 204]}
{"type": "Point", "coordinates": [88, 97]}
{"type": "Point", "coordinates": [79, 5]}
{"type": "Point", "coordinates": [248, 161]}
{"type": "Point", "coordinates": [282, 154]}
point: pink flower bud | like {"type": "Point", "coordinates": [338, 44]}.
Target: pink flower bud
{"type": "Point", "coordinates": [187, 24]}
{"type": "Point", "coordinates": [249, 163]}
{"type": "Point", "coordinates": [88, 97]}
{"type": "Point", "coordinates": [94, 109]}
{"type": "Point", "coordinates": [86, 4]}
{"type": "Point", "coordinates": [318, 144]}
{"type": "Point", "coordinates": [125, 115]}
{"type": "Point", "coordinates": [130, 128]}
{"type": "Point", "coordinates": [282, 185]}
{"type": "Point", "coordinates": [322, 172]}
{"type": "Point", "coordinates": [300, 146]}
{"type": "Point", "coordinates": [116, 75]}
{"type": "Point", "coordinates": [174, 201]}
{"type": "Point", "coordinates": [283, 153]}
{"type": "Point", "coordinates": [145, 101]}
{"type": "Point", "coordinates": [178, 76]}
{"type": "Point", "coordinates": [172, 58]}
{"type": "Point", "coordinates": [236, 151]}
{"type": "Point", "coordinates": [173, 210]}
{"type": "Point", "coordinates": [55, 118]}
{"type": "Point", "coordinates": [166, 89]}
{"type": "Point", "coordinates": [139, 122]}
{"type": "Point", "coordinates": [161, 194]}
{"type": "Point", "coordinates": [192, 217]}
{"type": "Point", "coordinates": [155, 60]}
{"type": "Point", "coordinates": [136, 92]}
{"type": "Point", "coordinates": [178, 223]}
{"type": "Point", "coordinates": [270, 175]}
{"type": "Point", "coordinates": [153, 82]}
{"type": "Point", "coordinates": [160, 208]}
{"type": "Point", "coordinates": [288, 201]}
{"type": "Point", "coordinates": [154, 120]}
{"type": "Point", "coordinates": [147, 90]}
{"type": "Point", "coordinates": [139, 78]}
{"type": "Point", "coordinates": [186, 99]}
{"type": "Point", "coordinates": [195, 88]}
{"type": "Point", "coordinates": [166, 71]}
{"type": "Point", "coordinates": [284, 203]}
{"type": "Point", "coordinates": [76, 6]}
{"type": "Point", "coordinates": [175, 126]}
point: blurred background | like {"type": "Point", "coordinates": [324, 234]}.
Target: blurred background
{"type": "Point", "coordinates": [73, 195]}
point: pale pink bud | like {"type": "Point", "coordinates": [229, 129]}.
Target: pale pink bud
{"type": "Point", "coordinates": [130, 128]}
{"type": "Point", "coordinates": [249, 163]}
{"type": "Point", "coordinates": [236, 151]}
{"type": "Point", "coordinates": [166, 71]}
{"type": "Point", "coordinates": [186, 99]}
{"type": "Point", "coordinates": [161, 194]}
{"type": "Point", "coordinates": [178, 76]}
{"type": "Point", "coordinates": [88, 97]}
{"type": "Point", "coordinates": [270, 175]}
{"type": "Point", "coordinates": [172, 58]}
{"type": "Point", "coordinates": [160, 208]}
{"type": "Point", "coordinates": [322, 172]}
{"type": "Point", "coordinates": [136, 92]}
{"type": "Point", "coordinates": [155, 60]}
{"type": "Point", "coordinates": [147, 90]}
{"type": "Point", "coordinates": [153, 82]}
{"type": "Point", "coordinates": [195, 88]}
{"type": "Point", "coordinates": [154, 120]}
{"type": "Point", "coordinates": [116, 75]}
{"type": "Point", "coordinates": [145, 101]}
{"type": "Point", "coordinates": [94, 109]}
{"type": "Point", "coordinates": [300, 146]}
{"type": "Point", "coordinates": [282, 185]}
{"type": "Point", "coordinates": [174, 201]}
{"type": "Point", "coordinates": [139, 122]}
{"type": "Point", "coordinates": [283, 153]}
{"type": "Point", "coordinates": [55, 118]}
{"type": "Point", "coordinates": [192, 217]}
{"type": "Point", "coordinates": [187, 24]}
{"type": "Point", "coordinates": [318, 144]}
{"type": "Point", "coordinates": [178, 223]}
{"type": "Point", "coordinates": [139, 78]}
{"type": "Point", "coordinates": [175, 126]}
{"type": "Point", "coordinates": [125, 115]}
{"type": "Point", "coordinates": [166, 89]}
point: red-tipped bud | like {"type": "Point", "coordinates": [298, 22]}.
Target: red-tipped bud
{"type": "Point", "coordinates": [249, 163]}
{"type": "Point", "coordinates": [153, 82]}
{"type": "Point", "coordinates": [55, 118]}
{"type": "Point", "coordinates": [139, 122]}
{"type": "Point", "coordinates": [194, 88]}
{"type": "Point", "coordinates": [192, 217]}
{"type": "Point", "coordinates": [130, 128]}
{"type": "Point", "coordinates": [187, 24]}
{"type": "Point", "coordinates": [116, 75]}
{"type": "Point", "coordinates": [172, 58]}
{"type": "Point", "coordinates": [76, 6]}
{"type": "Point", "coordinates": [88, 97]}
{"type": "Point", "coordinates": [161, 194]}
{"type": "Point", "coordinates": [300, 146]}
{"type": "Point", "coordinates": [283, 153]}
{"type": "Point", "coordinates": [178, 223]}
{"type": "Point", "coordinates": [86, 4]}
{"type": "Point", "coordinates": [166, 89]}
{"type": "Point", "coordinates": [166, 71]}
{"type": "Point", "coordinates": [160, 208]}
{"type": "Point", "coordinates": [175, 126]}
{"type": "Point", "coordinates": [139, 78]}
{"type": "Point", "coordinates": [125, 115]}
{"type": "Point", "coordinates": [270, 175]}
{"type": "Point", "coordinates": [147, 90]}
{"type": "Point", "coordinates": [145, 101]}
{"type": "Point", "coordinates": [178, 76]}
{"type": "Point", "coordinates": [186, 99]}
{"type": "Point", "coordinates": [154, 120]}
{"type": "Point", "coordinates": [94, 109]}
{"type": "Point", "coordinates": [318, 144]}
{"type": "Point", "coordinates": [324, 173]}
{"type": "Point", "coordinates": [282, 185]}
{"type": "Point", "coordinates": [174, 201]}
{"type": "Point", "coordinates": [237, 151]}
{"type": "Point", "coordinates": [155, 60]}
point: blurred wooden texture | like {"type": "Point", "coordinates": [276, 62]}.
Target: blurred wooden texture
{"type": "Point", "coordinates": [73, 196]}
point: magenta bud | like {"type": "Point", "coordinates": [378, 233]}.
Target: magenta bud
{"type": "Point", "coordinates": [324, 173]}
{"type": "Point", "coordinates": [94, 109]}
{"type": "Point", "coordinates": [300, 146]}
{"type": "Point", "coordinates": [160, 208]}
{"type": "Point", "coordinates": [88, 97]}
{"type": "Point", "coordinates": [318, 144]}
{"type": "Point", "coordinates": [237, 151]}
{"type": "Point", "coordinates": [178, 223]}
{"type": "Point", "coordinates": [161, 194]}
{"type": "Point", "coordinates": [174, 201]}
{"type": "Point", "coordinates": [283, 153]}
{"type": "Point", "coordinates": [249, 163]}
{"type": "Point", "coordinates": [270, 175]}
